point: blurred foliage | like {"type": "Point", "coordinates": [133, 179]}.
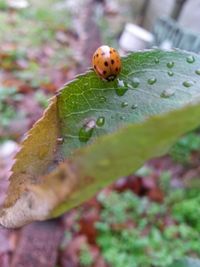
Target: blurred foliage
{"type": "Point", "coordinates": [36, 24]}
{"type": "Point", "coordinates": [188, 210]}
{"type": "Point", "coordinates": [164, 181]}
{"type": "Point", "coordinates": [3, 5]}
{"type": "Point", "coordinates": [85, 256]}
{"type": "Point", "coordinates": [181, 151]}
{"type": "Point", "coordinates": [34, 38]}
{"type": "Point", "coordinates": [135, 232]}
{"type": "Point", "coordinates": [41, 98]}
{"type": "Point", "coordinates": [7, 110]}
{"type": "Point", "coordinates": [187, 262]}
{"type": "Point", "coordinates": [35, 55]}
{"type": "Point", "coordinates": [108, 35]}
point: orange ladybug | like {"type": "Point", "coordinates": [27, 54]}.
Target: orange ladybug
{"type": "Point", "coordinates": [106, 63]}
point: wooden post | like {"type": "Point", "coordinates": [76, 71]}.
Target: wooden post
{"type": "Point", "coordinates": [177, 9]}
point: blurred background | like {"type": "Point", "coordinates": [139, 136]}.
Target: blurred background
{"type": "Point", "coordinates": [43, 45]}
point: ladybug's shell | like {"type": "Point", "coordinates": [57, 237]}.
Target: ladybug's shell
{"type": "Point", "coordinates": [106, 62]}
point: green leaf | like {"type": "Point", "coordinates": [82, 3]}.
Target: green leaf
{"type": "Point", "coordinates": [116, 127]}
{"type": "Point", "coordinates": [144, 88]}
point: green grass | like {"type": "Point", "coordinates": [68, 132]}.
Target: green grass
{"type": "Point", "coordinates": [148, 242]}
{"type": "Point", "coordinates": [181, 151]}
{"type": "Point", "coordinates": [85, 257]}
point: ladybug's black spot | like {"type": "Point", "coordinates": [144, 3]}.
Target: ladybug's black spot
{"type": "Point", "coordinates": [106, 63]}
{"type": "Point", "coordinates": [104, 72]}
{"type": "Point", "coordinates": [102, 53]}
{"type": "Point", "coordinates": [95, 66]}
{"type": "Point", "coordinates": [117, 69]}
{"type": "Point", "coordinates": [110, 52]}
{"type": "Point", "coordinates": [112, 61]}
{"type": "Point", "coordinates": [97, 55]}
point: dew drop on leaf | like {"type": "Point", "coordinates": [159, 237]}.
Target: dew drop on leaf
{"type": "Point", "coordinates": [120, 83]}
{"type": "Point", "coordinates": [86, 131]}
{"type": "Point", "coordinates": [152, 80]}
{"type": "Point", "coordinates": [122, 117]}
{"type": "Point", "coordinates": [190, 59]}
{"type": "Point", "coordinates": [121, 88]}
{"type": "Point", "coordinates": [156, 60]}
{"type": "Point", "coordinates": [134, 106]}
{"type": "Point", "coordinates": [197, 72]}
{"type": "Point", "coordinates": [170, 64]}
{"type": "Point", "coordinates": [100, 121]}
{"type": "Point", "coordinates": [121, 91]}
{"type": "Point", "coordinates": [102, 99]}
{"type": "Point", "coordinates": [188, 83]}
{"type": "Point", "coordinates": [170, 73]}
{"type": "Point", "coordinates": [167, 93]}
{"type": "Point", "coordinates": [136, 82]}
{"type": "Point", "coordinates": [124, 104]}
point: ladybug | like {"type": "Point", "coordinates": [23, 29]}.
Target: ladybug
{"type": "Point", "coordinates": [106, 63]}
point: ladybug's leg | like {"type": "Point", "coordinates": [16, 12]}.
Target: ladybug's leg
{"type": "Point", "coordinates": [111, 77]}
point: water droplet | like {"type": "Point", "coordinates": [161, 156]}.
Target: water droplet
{"type": "Point", "coordinates": [122, 117]}
{"type": "Point", "coordinates": [122, 88]}
{"type": "Point", "coordinates": [121, 91]}
{"type": "Point", "coordinates": [170, 64]}
{"type": "Point", "coordinates": [134, 106]}
{"type": "Point", "coordinates": [100, 121]}
{"type": "Point", "coordinates": [167, 93]}
{"type": "Point", "coordinates": [120, 83]}
{"type": "Point", "coordinates": [152, 80]}
{"type": "Point", "coordinates": [86, 131]}
{"type": "Point", "coordinates": [197, 72]}
{"type": "Point", "coordinates": [190, 59]}
{"type": "Point", "coordinates": [136, 82]}
{"type": "Point", "coordinates": [102, 99]}
{"type": "Point", "coordinates": [170, 73]}
{"type": "Point", "coordinates": [124, 104]}
{"type": "Point", "coordinates": [156, 60]}
{"type": "Point", "coordinates": [188, 83]}
{"type": "Point", "coordinates": [60, 140]}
